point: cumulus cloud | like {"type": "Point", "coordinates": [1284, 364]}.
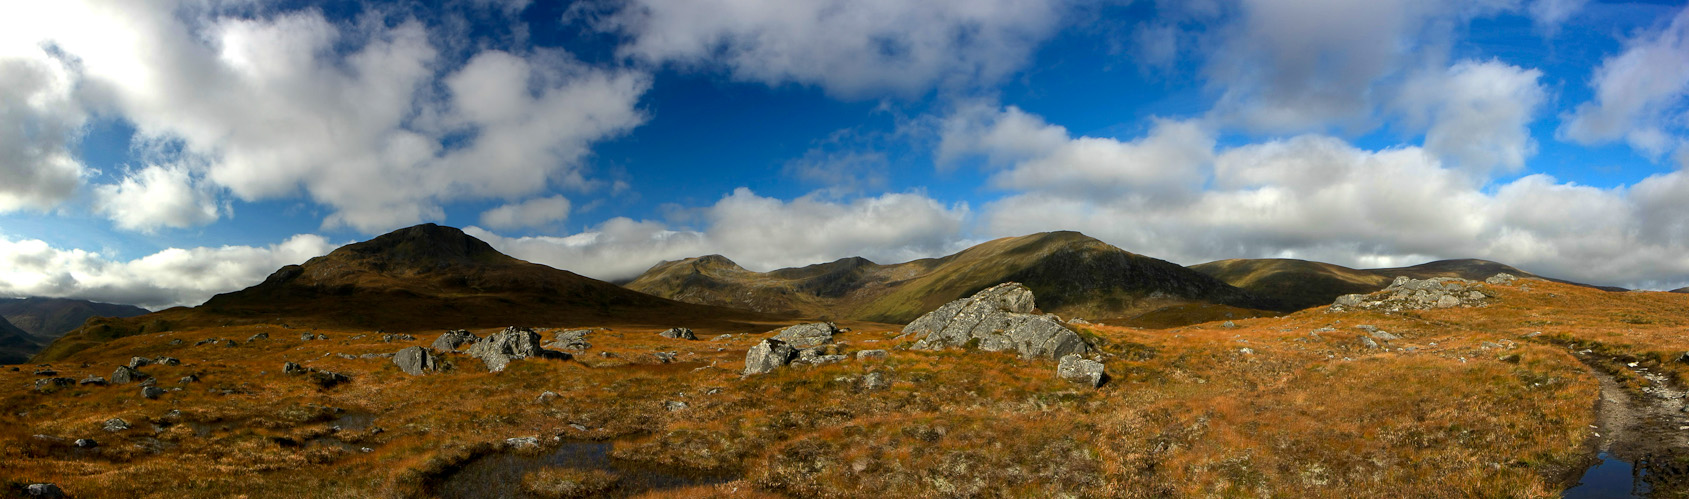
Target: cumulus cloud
{"type": "Point", "coordinates": [171, 277]}
{"type": "Point", "coordinates": [40, 122]}
{"type": "Point", "coordinates": [158, 196]}
{"type": "Point", "coordinates": [536, 212]}
{"type": "Point", "coordinates": [757, 232]}
{"type": "Point", "coordinates": [1639, 94]}
{"type": "Point", "coordinates": [1476, 115]}
{"type": "Point", "coordinates": [1550, 14]}
{"type": "Point", "coordinates": [1169, 162]}
{"type": "Point", "coordinates": [1294, 66]}
{"type": "Point", "coordinates": [369, 120]}
{"type": "Point", "coordinates": [851, 48]}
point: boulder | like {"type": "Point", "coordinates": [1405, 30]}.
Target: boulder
{"type": "Point", "coordinates": [768, 355]}
{"type": "Point", "coordinates": [678, 333]}
{"type": "Point", "coordinates": [874, 381]}
{"type": "Point", "coordinates": [1406, 293]}
{"type": "Point", "coordinates": [1502, 279]}
{"type": "Point", "coordinates": [188, 379]}
{"type": "Point", "coordinates": [547, 396]}
{"type": "Point", "coordinates": [817, 356]}
{"type": "Point", "coordinates": [137, 362]}
{"type": "Point", "coordinates": [513, 343]}
{"type": "Point", "coordinates": [415, 361]}
{"type": "Point", "coordinates": [292, 368]}
{"type": "Point", "coordinates": [1080, 370]}
{"type": "Point", "coordinates": [126, 374]}
{"type": "Point", "coordinates": [115, 425]}
{"type": "Point", "coordinates": [307, 336]}
{"type": "Point", "coordinates": [808, 335]}
{"type": "Point", "coordinates": [675, 405]}
{"type": "Point", "coordinates": [92, 380]}
{"type": "Point", "coordinates": [522, 442]}
{"type": "Point", "coordinates": [574, 339]}
{"type": "Point", "coordinates": [151, 392]}
{"type": "Point", "coordinates": [997, 319]}
{"type": "Point", "coordinates": [256, 337]}
{"type": "Point", "coordinates": [43, 490]}
{"type": "Point", "coordinates": [871, 355]}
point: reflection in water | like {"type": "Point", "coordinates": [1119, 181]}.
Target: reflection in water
{"type": "Point", "coordinates": [1611, 477]}
{"type": "Point", "coordinates": [500, 475]}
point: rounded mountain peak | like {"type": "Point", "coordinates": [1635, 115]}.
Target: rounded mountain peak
{"type": "Point", "coordinates": [422, 246]}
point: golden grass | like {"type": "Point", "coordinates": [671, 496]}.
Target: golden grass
{"type": "Point", "coordinates": [1441, 412]}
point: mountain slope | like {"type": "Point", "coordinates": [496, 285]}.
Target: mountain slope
{"type": "Point", "coordinates": [1071, 274]}
{"type": "Point", "coordinates": [50, 318]}
{"type": "Point", "coordinates": [1288, 284]}
{"type": "Point", "coordinates": [15, 344]}
{"type": "Point", "coordinates": [417, 278]}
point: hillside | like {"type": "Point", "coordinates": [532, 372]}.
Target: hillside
{"type": "Point", "coordinates": [1681, 290]}
{"type": "Point", "coordinates": [50, 318]}
{"type": "Point", "coordinates": [16, 345]}
{"type": "Point", "coordinates": [425, 277]}
{"type": "Point", "coordinates": [1288, 284]}
{"type": "Point", "coordinates": [1072, 274]}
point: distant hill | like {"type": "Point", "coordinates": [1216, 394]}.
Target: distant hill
{"type": "Point", "coordinates": [15, 344]}
{"type": "Point", "coordinates": [418, 278]}
{"type": "Point", "coordinates": [50, 318]}
{"type": "Point", "coordinates": [1070, 273]}
{"type": "Point", "coordinates": [1681, 290]}
{"type": "Point", "coordinates": [1289, 285]}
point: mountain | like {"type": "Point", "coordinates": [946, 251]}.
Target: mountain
{"type": "Point", "coordinates": [50, 318]}
{"type": "Point", "coordinates": [1681, 290]}
{"type": "Point", "coordinates": [1071, 274]}
{"type": "Point", "coordinates": [15, 344]}
{"type": "Point", "coordinates": [425, 277]}
{"type": "Point", "coordinates": [1289, 285]}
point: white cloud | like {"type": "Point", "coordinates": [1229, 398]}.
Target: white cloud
{"type": "Point", "coordinates": [167, 278]}
{"type": "Point", "coordinates": [40, 122]}
{"type": "Point", "coordinates": [158, 196]}
{"type": "Point", "coordinates": [1476, 115]}
{"type": "Point", "coordinates": [1286, 66]}
{"type": "Point", "coordinates": [1550, 14]}
{"type": "Point", "coordinates": [279, 104]}
{"type": "Point", "coordinates": [1169, 162]}
{"type": "Point", "coordinates": [536, 212]}
{"type": "Point", "coordinates": [851, 48]}
{"type": "Point", "coordinates": [757, 232]}
{"type": "Point", "coordinates": [1638, 94]}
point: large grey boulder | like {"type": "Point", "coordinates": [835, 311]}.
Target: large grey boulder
{"type": "Point", "coordinates": [513, 343]}
{"type": "Point", "coordinates": [450, 341]}
{"type": "Point", "coordinates": [1406, 293]}
{"type": "Point", "coordinates": [678, 333]}
{"type": "Point", "coordinates": [415, 361]}
{"type": "Point", "coordinates": [768, 355]}
{"type": "Point", "coordinates": [808, 335]}
{"type": "Point", "coordinates": [1080, 370]}
{"type": "Point", "coordinates": [126, 374]}
{"type": "Point", "coordinates": [574, 339]}
{"type": "Point", "coordinates": [997, 319]}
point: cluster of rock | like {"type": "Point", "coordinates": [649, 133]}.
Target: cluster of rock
{"type": "Point", "coordinates": [308, 336]}
{"type": "Point", "coordinates": [996, 319]}
{"type": "Point", "coordinates": [678, 333]}
{"type": "Point", "coordinates": [227, 343]}
{"type": "Point", "coordinates": [1422, 294]}
{"type": "Point", "coordinates": [325, 379]}
{"type": "Point", "coordinates": [574, 339]}
{"type": "Point", "coordinates": [513, 343]}
{"type": "Point", "coordinates": [1000, 318]}
{"type": "Point", "coordinates": [801, 344]}
{"type": "Point", "coordinates": [452, 340]}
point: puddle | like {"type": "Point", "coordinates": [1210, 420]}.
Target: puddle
{"type": "Point", "coordinates": [1612, 477]}
{"type": "Point", "coordinates": [500, 475]}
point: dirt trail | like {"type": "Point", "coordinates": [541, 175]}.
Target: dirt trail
{"type": "Point", "coordinates": [1649, 430]}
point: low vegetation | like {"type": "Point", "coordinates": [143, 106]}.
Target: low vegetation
{"type": "Point", "coordinates": [1461, 402]}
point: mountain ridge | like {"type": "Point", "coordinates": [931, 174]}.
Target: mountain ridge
{"type": "Point", "coordinates": [1291, 284]}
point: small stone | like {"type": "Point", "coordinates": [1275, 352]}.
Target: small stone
{"type": "Point", "coordinates": [307, 336]}
{"type": "Point", "coordinates": [86, 443]}
{"type": "Point", "coordinates": [115, 425]}
{"type": "Point", "coordinates": [522, 442]}
{"type": "Point", "coordinates": [137, 362]}
{"type": "Point", "coordinates": [188, 379]}
{"type": "Point", "coordinates": [1246, 351]}
{"type": "Point", "coordinates": [874, 381]}
{"type": "Point", "coordinates": [678, 333]}
{"type": "Point", "coordinates": [1228, 324]}
{"type": "Point", "coordinates": [256, 337]}
{"type": "Point", "coordinates": [1368, 342]}
{"type": "Point", "coordinates": [547, 396]}
{"type": "Point", "coordinates": [675, 405]}
{"type": "Point", "coordinates": [321, 336]}
{"type": "Point", "coordinates": [167, 361]}
{"type": "Point", "coordinates": [723, 337]}
{"type": "Point", "coordinates": [46, 372]}
{"type": "Point", "coordinates": [292, 368]}
{"type": "Point", "coordinates": [92, 380]}
{"type": "Point", "coordinates": [866, 355]}
{"type": "Point", "coordinates": [151, 392]}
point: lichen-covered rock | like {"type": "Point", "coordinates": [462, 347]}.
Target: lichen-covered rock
{"type": "Point", "coordinates": [768, 355]}
{"type": "Point", "coordinates": [678, 333]}
{"type": "Point", "coordinates": [1417, 294]}
{"type": "Point", "coordinates": [1080, 370]}
{"type": "Point", "coordinates": [450, 341]}
{"type": "Point", "coordinates": [808, 335]}
{"type": "Point", "coordinates": [997, 319]}
{"type": "Point", "coordinates": [415, 361]}
{"type": "Point", "coordinates": [513, 343]}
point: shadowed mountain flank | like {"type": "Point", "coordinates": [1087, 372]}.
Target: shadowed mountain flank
{"type": "Point", "coordinates": [1072, 275]}
{"type": "Point", "coordinates": [417, 278]}
{"type": "Point", "coordinates": [15, 344]}
{"type": "Point", "coordinates": [50, 318]}
{"type": "Point", "coordinates": [1288, 284]}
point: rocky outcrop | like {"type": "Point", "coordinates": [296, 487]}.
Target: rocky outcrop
{"type": "Point", "coordinates": [1081, 370]}
{"type": "Point", "coordinates": [1419, 294]}
{"type": "Point", "coordinates": [997, 319]}
{"type": "Point", "coordinates": [513, 343]}
{"type": "Point", "coordinates": [678, 333]}
{"type": "Point", "coordinates": [808, 335]}
{"type": "Point", "coordinates": [415, 361]}
{"type": "Point", "coordinates": [768, 355]}
{"type": "Point", "coordinates": [450, 341]}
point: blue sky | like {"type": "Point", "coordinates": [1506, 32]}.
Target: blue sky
{"type": "Point", "coordinates": [157, 152]}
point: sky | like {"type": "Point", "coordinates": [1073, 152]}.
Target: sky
{"type": "Point", "coordinates": [157, 152]}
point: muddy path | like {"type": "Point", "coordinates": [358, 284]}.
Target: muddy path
{"type": "Point", "coordinates": [1641, 437]}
